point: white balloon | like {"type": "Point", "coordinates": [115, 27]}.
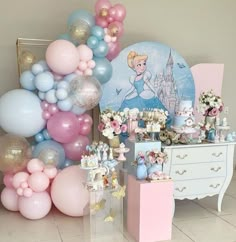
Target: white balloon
{"type": "Point", "coordinates": [21, 113]}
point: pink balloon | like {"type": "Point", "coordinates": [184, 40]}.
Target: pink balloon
{"type": "Point", "coordinates": [119, 27]}
{"type": "Point", "coordinates": [91, 64]}
{"type": "Point", "coordinates": [46, 115]}
{"type": "Point", "coordinates": [110, 19]}
{"type": "Point", "coordinates": [44, 105]}
{"type": "Point", "coordinates": [57, 77]}
{"type": "Point", "coordinates": [112, 12]}
{"type": "Point", "coordinates": [38, 181]}
{"type": "Point", "coordinates": [85, 119]}
{"type": "Point", "coordinates": [62, 57]}
{"type": "Point", "coordinates": [35, 207]}
{"type": "Point", "coordinates": [9, 199]}
{"type": "Point", "coordinates": [68, 192]}
{"type": "Point", "coordinates": [7, 180]}
{"type": "Point", "coordinates": [19, 178]}
{"type": "Point", "coordinates": [85, 129]}
{"type": "Point", "coordinates": [78, 72]}
{"type": "Point", "coordinates": [82, 66]}
{"type": "Point", "coordinates": [85, 53]}
{"type": "Point", "coordinates": [120, 12]}
{"type": "Point", "coordinates": [63, 127]}
{"type": "Point", "coordinates": [24, 185]}
{"type": "Point", "coordinates": [50, 171]}
{"type": "Point", "coordinates": [88, 72]}
{"type": "Point", "coordinates": [20, 191]}
{"type": "Point", "coordinates": [52, 109]}
{"type": "Point", "coordinates": [27, 192]}
{"type": "Point", "coordinates": [35, 165]}
{"type": "Point", "coordinates": [114, 50]}
{"type": "Point", "coordinates": [101, 22]}
{"type": "Point", "coordinates": [100, 4]}
{"type": "Point", "coordinates": [75, 149]}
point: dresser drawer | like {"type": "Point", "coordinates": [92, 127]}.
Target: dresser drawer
{"type": "Point", "coordinates": [197, 187]}
{"type": "Point", "coordinates": [196, 171]}
{"type": "Point", "coordinates": [193, 155]}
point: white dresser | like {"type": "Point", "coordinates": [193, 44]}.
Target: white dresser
{"type": "Point", "coordinates": [200, 170]}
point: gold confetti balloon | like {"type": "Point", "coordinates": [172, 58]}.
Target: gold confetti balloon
{"type": "Point", "coordinates": [26, 60]}
{"type": "Point", "coordinates": [15, 152]}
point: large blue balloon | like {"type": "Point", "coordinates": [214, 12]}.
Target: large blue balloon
{"type": "Point", "coordinates": [102, 70]}
{"type": "Point", "coordinates": [98, 32]}
{"type": "Point", "coordinates": [27, 80]}
{"type": "Point", "coordinates": [50, 152]}
{"type": "Point", "coordinates": [81, 15]}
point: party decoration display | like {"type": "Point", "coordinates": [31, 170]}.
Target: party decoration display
{"type": "Point", "coordinates": [20, 113]}
{"type": "Point", "coordinates": [15, 151]}
{"type": "Point", "coordinates": [68, 192]}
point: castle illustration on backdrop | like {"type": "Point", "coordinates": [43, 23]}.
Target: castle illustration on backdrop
{"type": "Point", "coordinates": [165, 86]}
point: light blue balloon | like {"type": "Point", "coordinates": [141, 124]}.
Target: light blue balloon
{"type": "Point", "coordinates": [65, 36]}
{"type": "Point", "coordinates": [65, 105]}
{"type": "Point", "coordinates": [44, 81]}
{"type": "Point", "coordinates": [82, 15]}
{"type": "Point", "coordinates": [102, 70]}
{"type": "Point", "coordinates": [67, 163]}
{"type": "Point", "coordinates": [50, 152]}
{"type": "Point", "coordinates": [41, 95]}
{"type": "Point", "coordinates": [92, 42]}
{"type": "Point", "coordinates": [61, 94]}
{"type": "Point", "coordinates": [37, 68]}
{"type": "Point", "coordinates": [27, 80]}
{"type": "Point", "coordinates": [77, 110]}
{"type": "Point", "coordinates": [50, 96]}
{"type": "Point", "coordinates": [70, 77]}
{"type": "Point", "coordinates": [101, 50]}
{"type": "Point", "coordinates": [98, 32]}
{"type": "Point", "coordinates": [46, 135]}
{"type": "Point", "coordinates": [63, 84]}
{"type": "Point", "coordinates": [39, 137]}
{"type": "Point", "coordinates": [44, 64]}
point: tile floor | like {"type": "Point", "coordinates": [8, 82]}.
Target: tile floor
{"type": "Point", "coordinates": [195, 220]}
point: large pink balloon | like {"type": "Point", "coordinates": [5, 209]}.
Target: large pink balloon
{"type": "Point", "coordinates": [63, 127]}
{"type": "Point", "coordinates": [35, 207]}
{"type": "Point", "coordinates": [102, 4]}
{"type": "Point", "coordinates": [120, 12]}
{"type": "Point", "coordinates": [113, 51]}
{"type": "Point", "coordinates": [7, 180]}
{"type": "Point", "coordinates": [9, 199]}
{"type": "Point", "coordinates": [68, 192]}
{"type": "Point", "coordinates": [38, 181]}
{"type": "Point", "coordinates": [75, 149]}
{"type": "Point", "coordinates": [62, 57]}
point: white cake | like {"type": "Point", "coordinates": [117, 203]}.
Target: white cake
{"type": "Point", "coordinates": [89, 161]}
{"type": "Point", "coordinates": [184, 115]}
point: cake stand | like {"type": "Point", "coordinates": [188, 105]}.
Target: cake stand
{"type": "Point", "coordinates": [121, 151]}
{"type": "Point", "coordinates": [189, 131]}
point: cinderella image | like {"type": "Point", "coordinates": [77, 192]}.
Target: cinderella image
{"type": "Point", "coordinates": [141, 93]}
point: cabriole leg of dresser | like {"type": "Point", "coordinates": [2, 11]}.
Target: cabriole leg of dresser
{"type": "Point", "coordinates": [220, 198]}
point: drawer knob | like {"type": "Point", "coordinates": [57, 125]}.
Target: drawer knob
{"type": "Point", "coordinates": [214, 186]}
{"type": "Point", "coordinates": [215, 169]}
{"type": "Point", "coordinates": [182, 156]}
{"type": "Point", "coordinates": [217, 154]}
{"type": "Point", "coordinates": [180, 189]}
{"type": "Point", "coordinates": [180, 172]}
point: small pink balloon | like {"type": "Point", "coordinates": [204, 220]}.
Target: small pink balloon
{"type": "Point", "coordinates": [88, 72]}
{"type": "Point", "coordinates": [114, 50]}
{"type": "Point", "coordinates": [78, 72]}
{"type": "Point", "coordinates": [35, 165]}
{"type": "Point", "coordinates": [107, 38]}
{"type": "Point", "coordinates": [20, 191]}
{"type": "Point", "coordinates": [85, 129]}
{"type": "Point", "coordinates": [116, 25]}
{"type": "Point", "coordinates": [44, 105]}
{"type": "Point", "coordinates": [27, 192]}
{"type": "Point", "coordinates": [120, 12]}
{"type": "Point", "coordinates": [110, 19]}
{"type": "Point", "coordinates": [112, 12]}
{"type": "Point", "coordinates": [24, 185]}
{"type": "Point", "coordinates": [62, 57]}
{"type": "Point", "coordinates": [9, 199]}
{"type": "Point", "coordinates": [50, 171]}
{"type": "Point", "coordinates": [87, 119]}
{"type": "Point", "coordinates": [101, 22]}
{"type": "Point", "coordinates": [38, 181]}
{"type": "Point", "coordinates": [57, 77]}
{"type": "Point", "coordinates": [7, 180]}
{"type": "Point", "coordinates": [63, 127]}
{"type": "Point", "coordinates": [91, 64]}
{"type": "Point", "coordinates": [85, 53]}
{"type": "Point", "coordinates": [19, 178]}
{"type": "Point", "coordinates": [100, 4]}
{"type": "Point", "coordinates": [75, 149]}
{"type": "Point", "coordinates": [35, 207]}
{"type": "Point", "coordinates": [46, 115]}
{"type": "Point", "coordinates": [52, 109]}
{"type": "Point", "coordinates": [82, 65]}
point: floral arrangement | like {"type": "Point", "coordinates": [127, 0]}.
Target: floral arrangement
{"type": "Point", "coordinates": [156, 156]}
{"type": "Point", "coordinates": [132, 114]}
{"type": "Point", "coordinates": [210, 104]}
{"type": "Point", "coordinates": [112, 123]}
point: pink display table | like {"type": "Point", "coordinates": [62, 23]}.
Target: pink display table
{"type": "Point", "coordinates": [149, 209]}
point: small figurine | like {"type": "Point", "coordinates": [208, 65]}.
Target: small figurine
{"type": "Point", "coordinates": [141, 172]}
{"type": "Point", "coordinates": [114, 180]}
{"type": "Point", "coordinates": [105, 181]}
{"type": "Point", "coordinates": [229, 138]}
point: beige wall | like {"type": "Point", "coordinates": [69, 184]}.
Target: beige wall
{"type": "Point", "coordinates": [200, 30]}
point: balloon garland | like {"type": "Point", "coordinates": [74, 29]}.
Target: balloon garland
{"type": "Point", "coordinates": [51, 107]}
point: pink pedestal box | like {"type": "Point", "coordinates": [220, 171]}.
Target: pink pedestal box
{"type": "Point", "coordinates": [150, 209]}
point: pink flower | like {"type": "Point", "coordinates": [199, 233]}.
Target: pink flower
{"type": "Point", "coordinates": [221, 109]}
{"type": "Point", "coordinates": [117, 131]}
{"type": "Point", "coordinates": [115, 124]}
{"type": "Point", "coordinates": [214, 112]}
{"type": "Point", "coordinates": [101, 126]}
{"type": "Point", "coordinates": [160, 160]}
{"type": "Point", "coordinates": [123, 128]}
